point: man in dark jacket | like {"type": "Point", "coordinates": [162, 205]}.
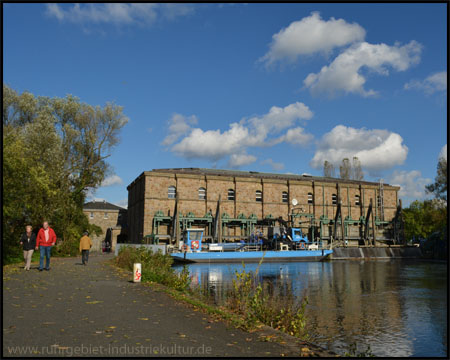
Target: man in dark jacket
{"type": "Point", "coordinates": [46, 238]}
{"type": "Point", "coordinates": [28, 242]}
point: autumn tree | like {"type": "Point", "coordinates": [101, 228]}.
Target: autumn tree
{"type": "Point", "coordinates": [328, 169]}
{"type": "Point", "coordinates": [439, 187]}
{"type": "Point", "coordinates": [54, 151]}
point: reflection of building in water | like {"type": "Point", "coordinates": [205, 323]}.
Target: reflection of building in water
{"type": "Point", "coordinates": [357, 298]}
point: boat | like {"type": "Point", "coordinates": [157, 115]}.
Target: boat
{"type": "Point", "coordinates": [288, 248]}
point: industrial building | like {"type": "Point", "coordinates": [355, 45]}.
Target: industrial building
{"type": "Point", "coordinates": [240, 203]}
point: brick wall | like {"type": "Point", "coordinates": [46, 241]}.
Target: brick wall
{"type": "Point", "coordinates": [149, 193]}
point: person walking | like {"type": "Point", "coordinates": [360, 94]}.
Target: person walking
{"type": "Point", "coordinates": [85, 245]}
{"type": "Point", "coordinates": [46, 238]}
{"type": "Point", "coordinates": [28, 242]}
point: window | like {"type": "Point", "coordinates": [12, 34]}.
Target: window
{"type": "Point", "coordinates": [105, 216]}
{"type": "Point", "coordinates": [378, 200]}
{"type": "Point", "coordinates": [91, 215]}
{"type": "Point", "coordinates": [202, 193]}
{"type": "Point", "coordinates": [284, 197]}
{"type": "Point", "coordinates": [357, 200]}
{"type": "Point", "coordinates": [230, 194]}
{"type": "Point", "coordinates": [334, 199]}
{"type": "Point", "coordinates": [310, 198]}
{"type": "Point", "coordinates": [258, 196]}
{"type": "Point", "coordinates": [172, 191]}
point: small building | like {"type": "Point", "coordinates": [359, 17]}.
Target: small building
{"type": "Point", "coordinates": [111, 218]}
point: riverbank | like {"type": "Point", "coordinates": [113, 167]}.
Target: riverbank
{"type": "Point", "coordinates": [95, 310]}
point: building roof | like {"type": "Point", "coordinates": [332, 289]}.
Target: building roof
{"type": "Point", "coordinates": [101, 205]}
{"type": "Point", "coordinates": [259, 175]}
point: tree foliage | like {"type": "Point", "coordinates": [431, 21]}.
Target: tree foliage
{"type": "Point", "coordinates": [439, 187]}
{"type": "Point", "coordinates": [54, 152]}
{"type": "Point", "coordinates": [347, 170]}
{"type": "Point", "coordinates": [328, 169]}
{"type": "Point", "coordinates": [422, 218]}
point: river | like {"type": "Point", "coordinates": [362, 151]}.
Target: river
{"type": "Point", "coordinates": [398, 307]}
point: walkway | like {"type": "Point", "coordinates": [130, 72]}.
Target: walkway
{"type": "Point", "coordinates": [75, 310]}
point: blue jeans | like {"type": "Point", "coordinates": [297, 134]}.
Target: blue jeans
{"type": "Point", "coordinates": [45, 251]}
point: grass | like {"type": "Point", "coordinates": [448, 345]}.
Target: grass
{"type": "Point", "coordinates": [248, 304]}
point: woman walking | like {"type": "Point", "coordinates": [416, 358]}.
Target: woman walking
{"type": "Point", "coordinates": [28, 242]}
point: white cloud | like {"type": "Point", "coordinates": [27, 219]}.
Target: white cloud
{"type": "Point", "coordinates": [433, 83]}
{"type": "Point", "coordinates": [276, 166]}
{"type": "Point", "coordinates": [309, 35]}
{"type": "Point", "coordinates": [255, 131]}
{"type": "Point", "coordinates": [296, 136]}
{"type": "Point", "coordinates": [411, 183]}
{"type": "Point", "coordinates": [238, 160]}
{"type": "Point", "coordinates": [344, 73]}
{"type": "Point", "coordinates": [122, 203]}
{"type": "Point", "coordinates": [179, 125]}
{"type": "Point", "coordinates": [376, 149]}
{"type": "Point", "coordinates": [443, 152]}
{"type": "Point", "coordinates": [112, 180]}
{"type": "Point", "coordinates": [118, 13]}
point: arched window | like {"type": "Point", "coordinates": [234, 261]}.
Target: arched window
{"type": "Point", "coordinates": [334, 199]}
{"type": "Point", "coordinates": [310, 198]}
{"type": "Point", "coordinates": [258, 196]}
{"type": "Point", "coordinates": [284, 197]}
{"type": "Point", "coordinates": [357, 199]}
{"type": "Point", "coordinates": [202, 193]}
{"type": "Point", "coordinates": [172, 192]}
{"type": "Point", "coordinates": [230, 194]}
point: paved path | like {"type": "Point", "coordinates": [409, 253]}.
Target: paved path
{"type": "Point", "coordinates": [93, 311]}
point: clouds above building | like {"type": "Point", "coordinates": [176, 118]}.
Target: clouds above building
{"type": "Point", "coordinates": [344, 74]}
{"type": "Point", "coordinates": [377, 149]}
{"type": "Point", "coordinates": [348, 72]}
{"type": "Point", "coordinates": [112, 180]}
{"type": "Point", "coordinates": [436, 82]}
{"type": "Point", "coordinates": [256, 131]}
{"type": "Point", "coordinates": [311, 35]}
{"type": "Point", "coordinates": [412, 184]}
{"type": "Point", "coordinates": [117, 13]}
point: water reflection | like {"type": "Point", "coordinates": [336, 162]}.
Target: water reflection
{"type": "Point", "coordinates": [399, 308]}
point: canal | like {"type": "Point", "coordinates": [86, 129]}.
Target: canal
{"type": "Point", "coordinates": [398, 307]}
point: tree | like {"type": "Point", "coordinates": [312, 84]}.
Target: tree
{"type": "Point", "coordinates": [439, 188]}
{"type": "Point", "coordinates": [55, 150]}
{"type": "Point", "coordinates": [422, 218]}
{"type": "Point", "coordinates": [345, 169]}
{"type": "Point", "coordinates": [357, 173]}
{"type": "Point", "coordinates": [328, 169]}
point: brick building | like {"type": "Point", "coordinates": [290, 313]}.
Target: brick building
{"type": "Point", "coordinates": [252, 194]}
{"type": "Point", "coordinates": [111, 218]}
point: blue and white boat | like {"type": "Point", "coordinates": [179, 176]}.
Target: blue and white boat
{"type": "Point", "coordinates": [293, 247]}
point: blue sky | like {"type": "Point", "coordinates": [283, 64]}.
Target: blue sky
{"type": "Point", "coordinates": [260, 87]}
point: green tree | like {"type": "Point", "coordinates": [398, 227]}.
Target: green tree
{"type": "Point", "coordinates": [439, 187]}
{"type": "Point", "coordinates": [54, 152]}
{"type": "Point", "coordinates": [422, 218]}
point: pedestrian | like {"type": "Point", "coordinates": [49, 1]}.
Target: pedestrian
{"type": "Point", "coordinates": [28, 242]}
{"type": "Point", "coordinates": [85, 245]}
{"type": "Point", "coordinates": [46, 238]}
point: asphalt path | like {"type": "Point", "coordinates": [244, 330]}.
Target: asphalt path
{"type": "Point", "coordinates": [94, 310]}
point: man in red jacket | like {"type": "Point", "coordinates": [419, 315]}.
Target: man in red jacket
{"type": "Point", "coordinates": [46, 238]}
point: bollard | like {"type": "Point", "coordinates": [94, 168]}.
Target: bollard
{"type": "Point", "coordinates": [137, 274]}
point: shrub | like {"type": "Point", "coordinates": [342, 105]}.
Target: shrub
{"type": "Point", "coordinates": [156, 267]}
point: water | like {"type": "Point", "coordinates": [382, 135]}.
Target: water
{"type": "Point", "coordinates": [397, 307]}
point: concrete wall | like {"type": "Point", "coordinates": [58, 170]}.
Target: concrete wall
{"type": "Point", "coordinates": [378, 253]}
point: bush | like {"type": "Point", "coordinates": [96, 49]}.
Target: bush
{"type": "Point", "coordinates": [284, 312]}
{"type": "Point", "coordinates": [156, 267]}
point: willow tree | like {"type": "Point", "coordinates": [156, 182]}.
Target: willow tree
{"type": "Point", "coordinates": [55, 151]}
